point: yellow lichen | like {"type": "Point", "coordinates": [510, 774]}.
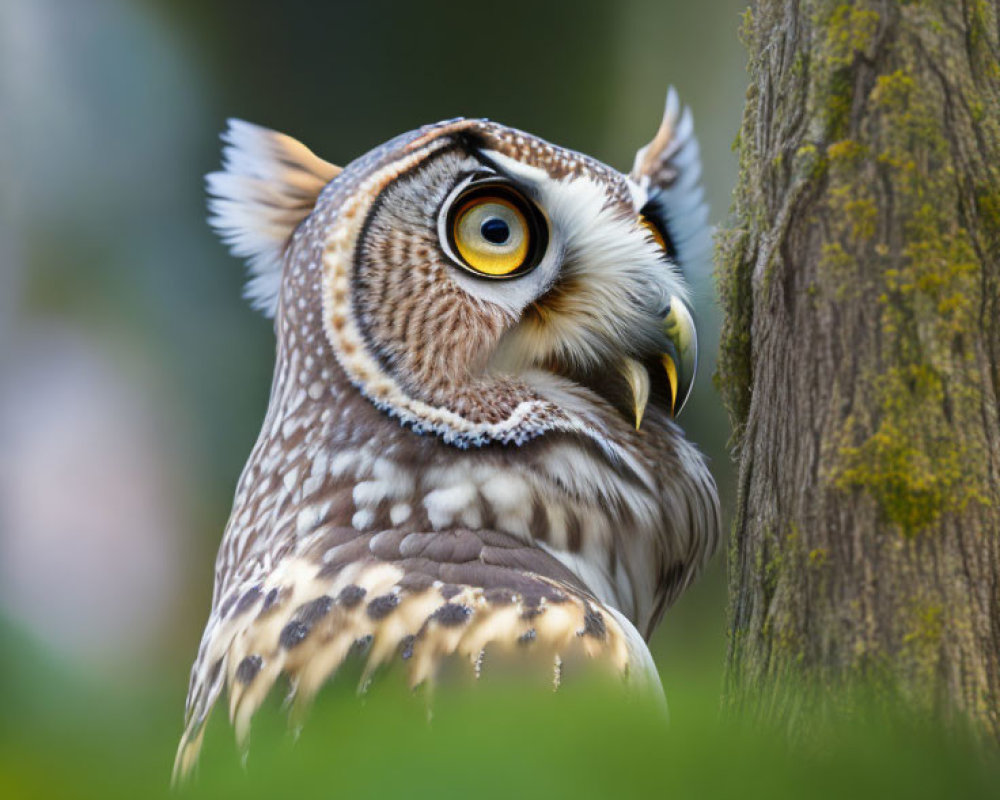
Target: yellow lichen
{"type": "Point", "coordinates": [910, 465]}
{"type": "Point", "coordinates": [928, 625]}
{"type": "Point", "coordinates": [850, 31]}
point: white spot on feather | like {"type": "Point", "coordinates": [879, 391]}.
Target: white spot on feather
{"type": "Point", "coordinates": [510, 499]}
{"type": "Point", "coordinates": [399, 513]}
{"type": "Point", "coordinates": [307, 519]}
{"type": "Point", "coordinates": [444, 505]}
{"type": "Point", "coordinates": [342, 463]}
{"type": "Point", "coordinates": [363, 519]}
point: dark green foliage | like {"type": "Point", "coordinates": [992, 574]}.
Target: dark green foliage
{"type": "Point", "coordinates": [64, 737]}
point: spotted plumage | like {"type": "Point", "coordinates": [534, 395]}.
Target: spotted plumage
{"type": "Point", "coordinates": [470, 448]}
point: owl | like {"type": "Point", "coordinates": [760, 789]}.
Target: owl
{"type": "Point", "coordinates": [470, 454]}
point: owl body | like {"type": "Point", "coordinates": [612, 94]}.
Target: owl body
{"type": "Point", "coordinates": [470, 449]}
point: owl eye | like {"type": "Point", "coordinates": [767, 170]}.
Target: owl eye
{"type": "Point", "coordinates": [495, 232]}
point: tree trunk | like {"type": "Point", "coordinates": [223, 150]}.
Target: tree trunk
{"type": "Point", "coordinates": [860, 355]}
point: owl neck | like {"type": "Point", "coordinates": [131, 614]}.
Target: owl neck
{"type": "Point", "coordinates": [329, 457]}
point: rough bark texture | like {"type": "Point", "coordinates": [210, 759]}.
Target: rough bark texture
{"type": "Point", "coordinates": [860, 356]}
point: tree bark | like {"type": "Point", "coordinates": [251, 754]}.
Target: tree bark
{"type": "Point", "coordinates": [860, 355]}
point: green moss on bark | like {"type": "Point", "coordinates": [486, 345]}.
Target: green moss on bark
{"type": "Point", "coordinates": [908, 456]}
{"type": "Point", "coordinates": [909, 465]}
{"type": "Point", "coordinates": [734, 245]}
{"type": "Point", "coordinates": [848, 33]}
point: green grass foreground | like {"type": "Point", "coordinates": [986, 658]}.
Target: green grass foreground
{"type": "Point", "coordinates": [63, 738]}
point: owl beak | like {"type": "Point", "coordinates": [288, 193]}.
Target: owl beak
{"type": "Point", "coordinates": [639, 382]}
{"type": "Point", "coordinates": [680, 361]}
{"type": "Point", "coordinates": [637, 378]}
{"type": "Point", "coordinates": [670, 367]}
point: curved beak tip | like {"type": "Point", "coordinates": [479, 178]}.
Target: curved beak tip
{"type": "Point", "coordinates": [637, 377]}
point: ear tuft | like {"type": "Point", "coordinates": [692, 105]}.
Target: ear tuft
{"type": "Point", "coordinates": [668, 169]}
{"type": "Point", "coordinates": [268, 184]}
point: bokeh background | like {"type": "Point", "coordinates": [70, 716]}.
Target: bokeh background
{"type": "Point", "coordinates": [133, 378]}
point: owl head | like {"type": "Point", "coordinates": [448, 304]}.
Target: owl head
{"type": "Point", "coordinates": [475, 282]}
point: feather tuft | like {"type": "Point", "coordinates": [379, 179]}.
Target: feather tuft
{"type": "Point", "coordinates": [268, 184]}
{"type": "Point", "coordinates": [668, 170]}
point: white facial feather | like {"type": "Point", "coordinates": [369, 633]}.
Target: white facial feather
{"type": "Point", "coordinates": [268, 184]}
{"type": "Point", "coordinates": [620, 283]}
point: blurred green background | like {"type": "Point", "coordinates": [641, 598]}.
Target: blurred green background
{"type": "Point", "coordinates": [133, 380]}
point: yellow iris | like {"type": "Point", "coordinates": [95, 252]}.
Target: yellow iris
{"type": "Point", "coordinates": [491, 235]}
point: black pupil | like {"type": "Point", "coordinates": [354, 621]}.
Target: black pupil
{"type": "Point", "coordinates": [495, 230]}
